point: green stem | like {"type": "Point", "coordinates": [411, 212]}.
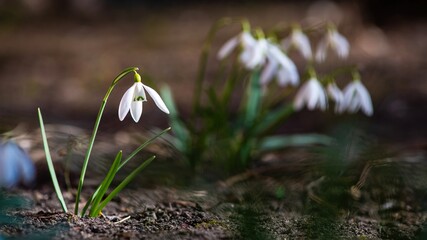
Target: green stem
{"type": "Point", "coordinates": [204, 60]}
{"type": "Point", "coordinates": [50, 164]}
{"type": "Point", "coordinates": [95, 130]}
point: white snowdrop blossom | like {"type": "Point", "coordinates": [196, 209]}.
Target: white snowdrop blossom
{"type": "Point", "coordinates": [253, 52]}
{"type": "Point", "coordinates": [134, 97]}
{"type": "Point", "coordinates": [356, 97]}
{"type": "Point", "coordinates": [336, 94]}
{"type": "Point", "coordinates": [15, 165]}
{"type": "Point", "coordinates": [311, 94]}
{"type": "Point", "coordinates": [336, 42]}
{"type": "Point", "coordinates": [280, 66]}
{"type": "Point", "coordinates": [300, 41]}
{"type": "Point", "coordinates": [245, 39]}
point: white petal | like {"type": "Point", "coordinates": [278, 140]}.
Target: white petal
{"type": "Point", "coordinates": [247, 39]}
{"type": "Point", "coordinates": [336, 95]}
{"type": "Point", "coordinates": [365, 99]}
{"type": "Point", "coordinates": [303, 44]}
{"type": "Point", "coordinates": [301, 97]}
{"type": "Point", "coordinates": [228, 47]}
{"type": "Point", "coordinates": [268, 71]}
{"type": "Point", "coordinates": [136, 110]}
{"type": "Point", "coordinates": [125, 102]}
{"type": "Point", "coordinates": [259, 54]}
{"type": "Point", "coordinates": [340, 44]}
{"type": "Point", "coordinates": [321, 50]}
{"type": "Point", "coordinates": [157, 99]}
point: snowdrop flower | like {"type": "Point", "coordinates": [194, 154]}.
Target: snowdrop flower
{"type": "Point", "coordinates": [280, 66]}
{"type": "Point", "coordinates": [336, 42]}
{"type": "Point", "coordinates": [300, 41]}
{"type": "Point", "coordinates": [356, 97]}
{"type": "Point", "coordinates": [15, 165]}
{"type": "Point", "coordinates": [244, 38]}
{"type": "Point", "coordinates": [253, 52]}
{"type": "Point", "coordinates": [336, 94]}
{"type": "Point", "coordinates": [312, 94]}
{"type": "Point", "coordinates": [134, 97]}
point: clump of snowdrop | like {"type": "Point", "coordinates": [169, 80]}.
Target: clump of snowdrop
{"type": "Point", "coordinates": [15, 165]}
{"type": "Point", "coordinates": [299, 41]}
{"type": "Point", "coordinates": [335, 41]}
{"type": "Point", "coordinates": [213, 134]}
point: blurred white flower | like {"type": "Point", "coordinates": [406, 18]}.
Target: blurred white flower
{"type": "Point", "coordinates": [280, 66]}
{"type": "Point", "coordinates": [134, 97]}
{"type": "Point", "coordinates": [311, 94]}
{"type": "Point", "coordinates": [245, 39]}
{"type": "Point", "coordinates": [15, 165]}
{"type": "Point", "coordinates": [254, 53]}
{"type": "Point", "coordinates": [336, 42]}
{"type": "Point", "coordinates": [300, 41]}
{"type": "Point", "coordinates": [356, 97]}
{"type": "Point", "coordinates": [336, 94]}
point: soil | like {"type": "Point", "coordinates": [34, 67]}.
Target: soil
{"type": "Point", "coordinates": [257, 204]}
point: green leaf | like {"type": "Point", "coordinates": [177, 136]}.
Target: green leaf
{"type": "Point", "coordinates": [253, 100]}
{"type": "Point", "coordinates": [298, 140]}
{"type": "Point", "coordinates": [123, 184]}
{"type": "Point", "coordinates": [133, 154]}
{"type": "Point", "coordinates": [50, 164]}
{"type": "Point", "coordinates": [105, 184]}
{"type": "Point", "coordinates": [273, 118]}
{"type": "Point", "coordinates": [179, 128]}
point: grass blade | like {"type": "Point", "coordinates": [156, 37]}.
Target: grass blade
{"type": "Point", "coordinates": [50, 164]}
{"type": "Point", "coordinates": [105, 184]}
{"type": "Point", "coordinates": [123, 184]}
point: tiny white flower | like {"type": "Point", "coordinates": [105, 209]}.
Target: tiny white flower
{"type": "Point", "coordinates": [336, 42]}
{"type": "Point", "coordinates": [254, 53]}
{"type": "Point", "coordinates": [311, 94]}
{"type": "Point", "coordinates": [245, 39]}
{"type": "Point", "coordinates": [336, 94]}
{"type": "Point", "coordinates": [280, 66]}
{"type": "Point", "coordinates": [356, 97]}
{"type": "Point", "coordinates": [15, 165]}
{"type": "Point", "coordinates": [300, 41]}
{"type": "Point", "coordinates": [134, 97]}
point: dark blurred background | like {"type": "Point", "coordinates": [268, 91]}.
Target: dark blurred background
{"type": "Point", "coordinates": [62, 55]}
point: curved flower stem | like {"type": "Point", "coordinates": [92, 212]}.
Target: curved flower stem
{"type": "Point", "coordinates": [204, 59]}
{"type": "Point", "coordinates": [95, 130]}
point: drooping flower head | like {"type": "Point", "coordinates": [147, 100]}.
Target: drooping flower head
{"type": "Point", "coordinates": [300, 41]}
{"type": "Point", "coordinates": [253, 50]}
{"type": "Point", "coordinates": [15, 165]}
{"type": "Point", "coordinates": [335, 41]}
{"type": "Point", "coordinates": [134, 97]}
{"type": "Point", "coordinates": [311, 94]}
{"type": "Point", "coordinates": [279, 65]}
{"type": "Point", "coordinates": [337, 96]}
{"type": "Point", "coordinates": [356, 97]}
